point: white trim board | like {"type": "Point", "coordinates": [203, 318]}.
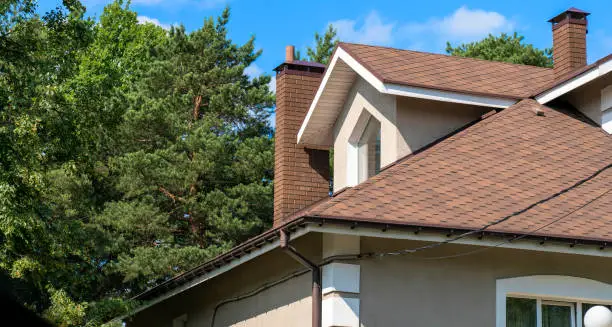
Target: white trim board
{"type": "Point", "coordinates": [574, 83]}
{"type": "Point", "coordinates": [549, 287]}
{"type": "Point", "coordinates": [340, 311]}
{"type": "Point", "coordinates": [529, 245]}
{"type": "Point", "coordinates": [524, 244]}
{"type": "Point", "coordinates": [399, 90]}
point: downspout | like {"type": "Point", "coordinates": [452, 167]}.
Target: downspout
{"type": "Point", "coordinates": [316, 277]}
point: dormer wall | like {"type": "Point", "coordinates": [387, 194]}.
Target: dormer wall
{"type": "Point", "coordinates": [406, 125]}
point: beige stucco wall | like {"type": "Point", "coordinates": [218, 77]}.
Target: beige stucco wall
{"type": "Point", "coordinates": [273, 307]}
{"type": "Point", "coordinates": [363, 96]}
{"type": "Point", "coordinates": [407, 124]}
{"type": "Point", "coordinates": [422, 121]}
{"type": "Point", "coordinates": [408, 291]}
{"type": "Point", "coordinates": [394, 291]}
{"type": "Point", "coordinates": [588, 98]}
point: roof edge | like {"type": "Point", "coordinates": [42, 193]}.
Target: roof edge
{"type": "Point", "coordinates": [398, 89]}
{"type": "Point", "coordinates": [574, 80]}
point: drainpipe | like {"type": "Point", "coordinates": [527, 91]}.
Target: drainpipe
{"type": "Point", "coordinates": [316, 277]}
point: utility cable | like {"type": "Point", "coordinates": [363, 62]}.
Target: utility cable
{"type": "Point", "coordinates": [362, 256]}
{"type": "Point", "coordinates": [271, 284]}
{"type": "Point", "coordinates": [516, 238]}
{"type": "Point", "coordinates": [498, 221]}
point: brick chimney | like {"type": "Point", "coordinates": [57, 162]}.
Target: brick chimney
{"type": "Point", "coordinates": [569, 41]}
{"type": "Point", "coordinates": [301, 175]}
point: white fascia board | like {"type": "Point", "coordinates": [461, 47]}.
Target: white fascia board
{"type": "Point", "coordinates": [524, 244]}
{"type": "Point", "coordinates": [400, 90]}
{"type": "Point", "coordinates": [576, 82]}
{"type": "Point", "coordinates": [568, 86]}
{"type": "Point", "coordinates": [351, 62]}
{"type": "Point", "coordinates": [447, 96]}
{"type": "Point", "coordinates": [214, 273]}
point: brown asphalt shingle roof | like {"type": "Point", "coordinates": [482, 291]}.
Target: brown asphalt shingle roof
{"type": "Point", "coordinates": [458, 74]}
{"type": "Point", "coordinates": [492, 169]}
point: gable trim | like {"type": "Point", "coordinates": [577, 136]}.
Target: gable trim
{"type": "Point", "coordinates": [575, 82]}
{"type": "Point", "coordinates": [386, 87]}
{"type": "Point", "coordinates": [447, 96]}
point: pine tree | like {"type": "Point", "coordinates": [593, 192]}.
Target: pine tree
{"type": "Point", "coordinates": [195, 175]}
{"type": "Point", "coordinates": [324, 46]}
{"type": "Point", "coordinates": [506, 48]}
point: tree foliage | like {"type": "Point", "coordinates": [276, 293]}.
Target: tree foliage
{"type": "Point", "coordinates": [506, 48]}
{"type": "Point", "coordinates": [323, 47]}
{"type": "Point", "coordinates": [128, 154]}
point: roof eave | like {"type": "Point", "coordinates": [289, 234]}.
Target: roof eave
{"type": "Point", "coordinates": [575, 80]}
{"type": "Point", "coordinates": [392, 88]}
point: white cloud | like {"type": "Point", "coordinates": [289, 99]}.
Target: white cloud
{"type": "Point", "coordinates": [464, 24]}
{"type": "Point", "coordinates": [155, 21]}
{"type": "Point", "coordinates": [253, 71]}
{"type": "Point", "coordinates": [371, 31]}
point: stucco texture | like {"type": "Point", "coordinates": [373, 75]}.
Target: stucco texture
{"type": "Point", "coordinates": [407, 124]}
{"type": "Point", "coordinates": [415, 291]}
{"type": "Point", "coordinates": [286, 304]}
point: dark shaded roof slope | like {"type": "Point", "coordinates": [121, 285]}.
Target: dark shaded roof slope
{"type": "Point", "coordinates": [457, 74]}
{"type": "Point", "coordinates": [493, 169]}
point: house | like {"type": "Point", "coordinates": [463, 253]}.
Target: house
{"type": "Point", "coordinates": [466, 193]}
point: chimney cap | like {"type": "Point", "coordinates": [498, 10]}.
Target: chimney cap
{"type": "Point", "coordinates": [289, 53]}
{"type": "Point", "coordinates": [572, 12]}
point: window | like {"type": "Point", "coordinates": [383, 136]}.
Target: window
{"type": "Point", "coordinates": [547, 301]}
{"type": "Point", "coordinates": [364, 150]}
{"type": "Point", "coordinates": [368, 149]}
{"type": "Point", "coordinates": [524, 312]}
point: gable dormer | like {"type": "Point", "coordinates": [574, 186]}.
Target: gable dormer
{"type": "Point", "coordinates": [376, 105]}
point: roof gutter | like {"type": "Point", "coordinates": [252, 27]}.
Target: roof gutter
{"type": "Point", "coordinates": [317, 298]}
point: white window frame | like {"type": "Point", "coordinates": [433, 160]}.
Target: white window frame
{"type": "Point", "coordinates": [573, 308]}
{"type": "Point", "coordinates": [547, 288]}
{"type": "Point", "coordinates": [354, 173]}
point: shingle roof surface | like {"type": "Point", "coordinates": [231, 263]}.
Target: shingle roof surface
{"type": "Point", "coordinates": [492, 169]}
{"type": "Point", "coordinates": [435, 71]}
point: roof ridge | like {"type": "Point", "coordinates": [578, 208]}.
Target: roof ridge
{"type": "Point", "coordinates": [448, 56]}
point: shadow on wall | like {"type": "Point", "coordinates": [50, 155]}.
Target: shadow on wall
{"type": "Point", "coordinates": [272, 307]}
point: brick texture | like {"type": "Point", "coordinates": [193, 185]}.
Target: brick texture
{"type": "Point", "coordinates": [569, 47]}
{"type": "Point", "coordinates": [301, 175]}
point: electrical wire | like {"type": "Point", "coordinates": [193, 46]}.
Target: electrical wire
{"type": "Point", "coordinates": [499, 221]}
{"type": "Point", "coordinates": [256, 291]}
{"type": "Point", "coordinates": [362, 256]}
{"type": "Point", "coordinates": [284, 279]}
{"type": "Point", "coordinates": [516, 238]}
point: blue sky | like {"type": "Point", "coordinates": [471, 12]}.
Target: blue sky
{"type": "Point", "coordinates": [418, 25]}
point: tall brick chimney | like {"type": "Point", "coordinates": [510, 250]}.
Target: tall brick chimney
{"type": "Point", "coordinates": [569, 41]}
{"type": "Point", "coordinates": [301, 175]}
